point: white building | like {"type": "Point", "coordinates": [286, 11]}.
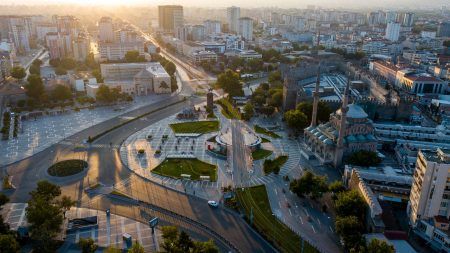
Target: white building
{"type": "Point", "coordinates": [246, 28]}
{"type": "Point", "coordinates": [105, 30]}
{"type": "Point", "coordinates": [137, 78]}
{"type": "Point", "coordinates": [392, 31]}
{"type": "Point", "coordinates": [430, 193]}
{"type": "Point", "coordinates": [201, 56]}
{"type": "Point", "coordinates": [198, 32]}
{"type": "Point", "coordinates": [233, 15]}
{"type": "Point", "coordinates": [79, 81]}
{"type": "Point", "coordinates": [212, 27]}
{"type": "Point", "coordinates": [117, 51]}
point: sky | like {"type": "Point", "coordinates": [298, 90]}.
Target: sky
{"type": "Point", "coordinates": [412, 4]}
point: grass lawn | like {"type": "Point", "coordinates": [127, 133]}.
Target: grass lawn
{"type": "Point", "coordinates": [200, 127]}
{"type": "Point", "coordinates": [264, 140]}
{"type": "Point", "coordinates": [284, 239]}
{"type": "Point", "coordinates": [67, 168]}
{"type": "Point", "coordinates": [228, 110]}
{"type": "Point", "coordinates": [261, 153]}
{"type": "Point", "coordinates": [275, 164]}
{"type": "Point", "coordinates": [174, 167]}
{"type": "Point", "coordinates": [262, 130]}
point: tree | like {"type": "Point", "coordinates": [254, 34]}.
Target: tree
{"type": "Point", "coordinates": [133, 56]}
{"type": "Point", "coordinates": [350, 203]}
{"type": "Point", "coordinates": [3, 199]}
{"type": "Point", "coordinates": [45, 216]}
{"type": "Point", "coordinates": [35, 88]}
{"type": "Point", "coordinates": [35, 67]}
{"type": "Point", "coordinates": [184, 241]}
{"type": "Point", "coordinates": [248, 111]}
{"type": "Point", "coordinates": [379, 246]}
{"type": "Point", "coordinates": [98, 75]}
{"type": "Point", "coordinates": [61, 93]}
{"type": "Point", "coordinates": [323, 110]}
{"type": "Point", "coordinates": [136, 248]}
{"type": "Point", "coordinates": [230, 83]}
{"type": "Point", "coordinates": [60, 71]}
{"type": "Point", "coordinates": [274, 76]}
{"type": "Point", "coordinates": [18, 72]}
{"type": "Point", "coordinates": [364, 158]}
{"type": "Point", "coordinates": [336, 187]}
{"type": "Point", "coordinates": [9, 244]}
{"type": "Point", "coordinates": [296, 120]}
{"type": "Point", "coordinates": [104, 94]}
{"type": "Point", "coordinates": [349, 228]}
{"type": "Point", "coordinates": [277, 98]}
{"type": "Point", "coordinates": [66, 203]}
{"type": "Point", "coordinates": [68, 63]}
{"type": "Point", "coordinates": [309, 184]}
{"type": "Point", "coordinates": [87, 245]}
{"type": "Point", "coordinates": [170, 68]}
{"type": "Point", "coordinates": [205, 247]}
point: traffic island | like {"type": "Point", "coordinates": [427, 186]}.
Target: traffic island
{"type": "Point", "coordinates": [261, 153]}
{"type": "Point", "coordinates": [187, 168]}
{"type": "Point", "coordinates": [67, 168]}
{"type": "Point", "coordinates": [195, 127]}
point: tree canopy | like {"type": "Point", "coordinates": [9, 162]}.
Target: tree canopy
{"type": "Point", "coordinates": [309, 184]}
{"type": "Point", "coordinates": [349, 227]}
{"type": "Point", "coordinates": [35, 87]}
{"type": "Point", "coordinates": [133, 56]}
{"type": "Point", "coordinates": [323, 110]}
{"type": "Point", "coordinates": [18, 72]}
{"type": "Point", "coordinates": [177, 242]}
{"type": "Point", "coordinates": [296, 120]}
{"type": "Point", "coordinates": [61, 93]}
{"type": "Point", "coordinates": [350, 203]}
{"type": "Point", "coordinates": [229, 81]}
{"type": "Point", "coordinates": [379, 246]}
{"type": "Point", "coordinates": [248, 111]}
{"type": "Point", "coordinates": [107, 95]}
{"type": "Point", "coordinates": [364, 158]}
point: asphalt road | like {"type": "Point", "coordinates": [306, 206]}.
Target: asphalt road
{"type": "Point", "coordinates": [106, 167]}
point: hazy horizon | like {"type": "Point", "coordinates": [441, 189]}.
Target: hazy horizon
{"type": "Point", "coordinates": [341, 4]}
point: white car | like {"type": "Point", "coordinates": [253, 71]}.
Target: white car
{"type": "Point", "coordinates": [213, 203]}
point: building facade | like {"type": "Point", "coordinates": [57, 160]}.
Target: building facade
{"type": "Point", "coordinates": [170, 17]}
{"type": "Point", "coordinates": [233, 16]}
{"type": "Point", "coordinates": [246, 28]}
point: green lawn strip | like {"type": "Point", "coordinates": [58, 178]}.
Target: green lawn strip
{"type": "Point", "coordinates": [67, 168]}
{"type": "Point", "coordinates": [275, 164]}
{"type": "Point", "coordinates": [174, 167]}
{"type": "Point", "coordinates": [262, 130]}
{"type": "Point", "coordinates": [261, 153]}
{"type": "Point", "coordinates": [264, 140]}
{"type": "Point", "coordinates": [267, 224]}
{"type": "Point", "coordinates": [228, 110]}
{"type": "Point", "coordinates": [200, 127]}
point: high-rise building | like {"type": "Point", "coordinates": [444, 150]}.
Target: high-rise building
{"type": "Point", "coordinates": [408, 19]}
{"type": "Point", "coordinates": [233, 15]}
{"type": "Point", "coordinates": [198, 32]}
{"type": "Point", "coordinates": [246, 28]}
{"type": "Point", "coordinates": [182, 32]}
{"type": "Point", "coordinates": [67, 24]}
{"type": "Point", "coordinates": [170, 17]}
{"type": "Point", "coordinates": [20, 37]}
{"type": "Point", "coordinates": [59, 45]}
{"type": "Point", "coordinates": [430, 191]}
{"type": "Point", "coordinates": [81, 48]}
{"type": "Point", "coordinates": [212, 26]}
{"type": "Point", "coordinates": [443, 29]}
{"type": "Point", "coordinates": [391, 16]}
{"type": "Point", "coordinates": [105, 30]}
{"type": "Point", "coordinates": [392, 31]}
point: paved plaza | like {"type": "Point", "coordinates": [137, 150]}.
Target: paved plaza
{"type": "Point", "coordinates": [109, 231]}
{"type": "Point", "coordinates": [39, 134]}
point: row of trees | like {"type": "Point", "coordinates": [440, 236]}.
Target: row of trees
{"type": "Point", "coordinates": [178, 242]}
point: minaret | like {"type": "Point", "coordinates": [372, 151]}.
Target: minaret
{"type": "Point", "coordinates": [339, 153]}
{"type": "Point", "coordinates": [316, 100]}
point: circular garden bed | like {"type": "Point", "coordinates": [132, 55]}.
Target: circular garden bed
{"type": "Point", "coordinates": [67, 168]}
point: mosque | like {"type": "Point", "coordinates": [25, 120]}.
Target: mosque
{"type": "Point", "coordinates": [348, 130]}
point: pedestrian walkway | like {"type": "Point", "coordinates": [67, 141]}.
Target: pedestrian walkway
{"type": "Point", "coordinates": [109, 232]}
{"type": "Point", "coordinates": [39, 134]}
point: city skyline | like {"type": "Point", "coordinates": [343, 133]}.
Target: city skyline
{"type": "Point", "coordinates": [338, 4]}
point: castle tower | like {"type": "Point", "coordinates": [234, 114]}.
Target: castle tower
{"type": "Point", "coordinates": [339, 153]}
{"type": "Point", "coordinates": [289, 94]}
{"type": "Point", "coordinates": [316, 99]}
